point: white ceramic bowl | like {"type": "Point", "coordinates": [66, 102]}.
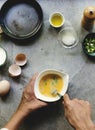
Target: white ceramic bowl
{"type": "Point", "coordinates": [56, 20]}
{"type": "Point", "coordinates": [3, 56]}
{"type": "Point", "coordinates": [42, 97]}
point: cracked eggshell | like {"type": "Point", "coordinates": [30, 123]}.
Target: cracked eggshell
{"type": "Point", "coordinates": [14, 70]}
{"type": "Point", "coordinates": [4, 87]}
{"type": "Point", "coordinates": [20, 59]}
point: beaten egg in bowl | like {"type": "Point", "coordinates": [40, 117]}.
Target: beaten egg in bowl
{"type": "Point", "coordinates": [49, 80]}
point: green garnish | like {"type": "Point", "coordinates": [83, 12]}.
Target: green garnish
{"type": "Point", "coordinates": [55, 79]}
{"type": "Point", "coordinates": [45, 82]}
{"type": "Point", "coordinates": [53, 83]}
{"type": "Point", "coordinates": [89, 45]}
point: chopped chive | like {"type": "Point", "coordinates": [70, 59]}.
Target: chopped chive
{"type": "Point", "coordinates": [89, 45]}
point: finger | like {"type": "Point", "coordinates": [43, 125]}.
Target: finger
{"type": "Point", "coordinates": [32, 80]}
{"type": "Point", "coordinates": [34, 77]}
{"type": "Point", "coordinates": [38, 103]}
{"type": "Point", "coordinates": [43, 103]}
{"type": "Point", "coordinates": [66, 99]}
{"type": "Point", "coordinates": [87, 103]}
{"type": "Point", "coordinates": [30, 85]}
{"type": "Point", "coordinates": [75, 100]}
{"type": "Point", "coordinates": [81, 102]}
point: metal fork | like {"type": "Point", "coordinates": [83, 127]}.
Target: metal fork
{"type": "Point", "coordinates": [55, 92]}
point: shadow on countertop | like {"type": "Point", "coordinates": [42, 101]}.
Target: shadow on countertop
{"type": "Point", "coordinates": [43, 115]}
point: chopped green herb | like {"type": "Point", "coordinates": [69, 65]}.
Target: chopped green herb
{"type": "Point", "coordinates": [53, 83]}
{"type": "Point", "coordinates": [55, 79]}
{"type": "Point", "coordinates": [45, 82]}
{"type": "Point", "coordinates": [89, 45]}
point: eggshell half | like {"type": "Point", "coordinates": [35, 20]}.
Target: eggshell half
{"type": "Point", "coordinates": [14, 70]}
{"type": "Point", "coordinates": [20, 59]}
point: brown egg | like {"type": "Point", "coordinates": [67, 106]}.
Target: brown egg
{"type": "Point", "coordinates": [14, 70]}
{"type": "Point", "coordinates": [4, 87]}
{"type": "Point", "coordinates": [20, 59]}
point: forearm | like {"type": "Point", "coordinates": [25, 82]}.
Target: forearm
{"type": "Point", "coordinates": [15, 121]}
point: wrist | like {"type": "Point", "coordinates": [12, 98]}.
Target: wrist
{"type": "Point", "coordinates": [24, 109]}
{"type": "Point", "coordinates": [22, 113]}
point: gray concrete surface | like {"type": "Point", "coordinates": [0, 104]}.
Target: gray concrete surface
{"type": "Point", "coordinates": [46, 52]}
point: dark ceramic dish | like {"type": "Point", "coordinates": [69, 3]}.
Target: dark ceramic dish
{"type": "Point", "coordinates": [21, 19]}
{"type": "Point", "coordinates": [87, 47]}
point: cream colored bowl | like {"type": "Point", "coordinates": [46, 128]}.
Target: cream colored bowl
{"type": "Point", "coordinates": [56, 20]}
{"type": "Point", "coordinates": [43, 97]}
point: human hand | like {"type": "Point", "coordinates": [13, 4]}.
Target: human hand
{"type": "Point", "coordinates": [29, 102]}
{"type": "Point", "coordinates": [78, 113]}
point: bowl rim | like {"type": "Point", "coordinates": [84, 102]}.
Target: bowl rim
{"type": "Point", "coordinates": [64, 76]}
{"type": "Point", "coordinates": [56, 13]}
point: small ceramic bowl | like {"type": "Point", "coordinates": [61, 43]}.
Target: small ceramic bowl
{"type": "Point", "coordinates": [56, 20]}
{"type": "Point", "coordinates": [88, 45]}
{"type": "Point", "coordinates": [65, 79]}
{"type": "Point", "coordinates": [3, 56]}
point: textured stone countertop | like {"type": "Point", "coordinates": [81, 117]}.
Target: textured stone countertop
{"type": "Point", "coordinates": [46, 52]}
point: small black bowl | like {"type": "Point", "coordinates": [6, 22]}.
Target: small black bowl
{"type": "Point", "coordinates": [88, 37]}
